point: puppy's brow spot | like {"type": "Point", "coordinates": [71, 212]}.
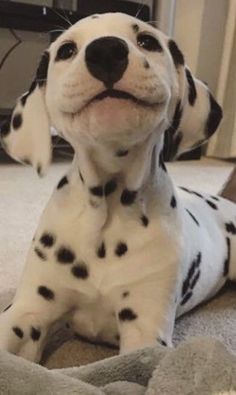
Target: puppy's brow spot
{"type": "Point", "coordinates": [94, 16]}
{"type": "Point", "coordinates": [125, 294]}
{"type": "Point", "coordinates": [135, 28]}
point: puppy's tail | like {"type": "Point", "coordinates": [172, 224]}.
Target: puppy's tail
{"type": "Point", "coordinates": [229, 189]}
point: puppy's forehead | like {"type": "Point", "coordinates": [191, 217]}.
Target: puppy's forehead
{"type": "Point", "coordinates": [106, 24]}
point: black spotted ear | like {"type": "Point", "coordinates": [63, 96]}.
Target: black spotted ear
{"type": "Point", "coordinates": [26, 137]}
{"type": "Point", "coordinates": [195, 115]}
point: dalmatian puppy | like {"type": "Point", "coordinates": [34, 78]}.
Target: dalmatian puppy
{"type": "Point", "coordinates": [119, 248]}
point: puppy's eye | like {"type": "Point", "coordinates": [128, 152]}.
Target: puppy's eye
{"type": "Point", "coordinates": [148, 42]}
{"type": "Point", "coordinates": [66, 51]}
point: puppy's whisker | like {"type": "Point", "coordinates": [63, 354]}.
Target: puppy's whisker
{"type": "Point", "coordinates": [62, 17]}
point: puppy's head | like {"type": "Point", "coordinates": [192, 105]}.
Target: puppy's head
{"type": "Point", "coordinates": [110, 79]}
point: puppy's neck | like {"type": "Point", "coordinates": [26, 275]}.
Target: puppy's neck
{"type": "Point", "coordinates": [137, 174]}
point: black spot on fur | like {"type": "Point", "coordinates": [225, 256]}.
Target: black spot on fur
{"type": "Point", "coordinates": [26, 95]}
{"type": "Point", "coordinates": [162, 342]}
{"type": "Point", "coordinates": [125, 294]}
{"type": "Point", "coordinates": [127, 314]}
{"type": "Point", "coordinates": [135, 27]}
{"type": "Point", "coordinates": [215, 198]}
{"type": "Point", "coordinates": [17, 121]}
{"type": "Point", "coordinates": [193, 217]}
{"type": "Point", "coordinates": [42, 71]}
{"type": "Point", "coordinates": [197, 194]}
{"type": "Point", "coordinates": [186, 298]}
{"type": "Point", "coordinates": [173, 202]}
{"type": "Point", "coordinates": [122, 152]}
{"type": "Point", "coordinates": [26, 161]}
{"type": "Point", "coordinates": [5, 128]}
{"type": "Point", "coordinates": [128, 197]}
{"type": "Point", "coordinates": [8, 307]}
{"type": "Point", "coordinates": [39, 170]}
{"type": "Point", "coordinates": [97, 191]}
{"type": "Point", "coordinates": [146, 64]}
{"type": "Point", "coordinates": [94, 16]}
{"type": "Point", "coordinates": [46, 293]}
{"type": "Point", "coordinates": [47, 239]}
{"type": "Point", "coordinates": [172, 139]}
{"type": "Point", "coordinates": [121, 249]}
{"type": "Point", "coordinates": [176, 54]}
{"type": "Point", "coordinates": [81, 177]}
{"type": "Point", "coordinates": [101, 252]}
{"type": "Point", "coordinates": [62, 182]}
{"type": "Point", "coordinates": [40, 253]}
{"type": "Point", "coordinates": [145, 220]}
{"type": "Point", "coordinates": [185, 189]}
{"type": "Point", "coordinates": [110, 187]}
{"type": "Point", "coordinates": [192, 92]}
{"type": "Point", "coordinates": [214, 117]}
{"type": "Point", "coordinates": [195, 280]}
{"type": "Point", "coordinates": [192, 192]}
{"type": "Point", "coordinates": [230, 228]}
{"type": "Point", "coordinates": [65, 255]}
{"type": "Point", "coordinates": [35, 334]}
{"type": "Point", "coordinates": [161, 162]}
{"type": "Point", "coordinates": [18, 332]}
{"type": "Point", "coordinates": [80, 270]}
{"type": "Point", "coordinates": [192, 270]}
{"type": "Point", "coordinates": [211, 204]}
{"type": "Point", "coordinates": [227, 260]}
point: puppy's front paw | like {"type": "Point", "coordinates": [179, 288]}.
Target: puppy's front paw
{"type": "Point", "coordinates": [20, 334]}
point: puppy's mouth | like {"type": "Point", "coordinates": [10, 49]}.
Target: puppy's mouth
{"type": "Point", "coordinates": [118, 94]}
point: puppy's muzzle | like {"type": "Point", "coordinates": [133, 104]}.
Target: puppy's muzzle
{"type": "Point", "coordinates": [107, 59]}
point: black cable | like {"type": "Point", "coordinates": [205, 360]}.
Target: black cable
{"type": "Point", "coordinates": [10, 50]}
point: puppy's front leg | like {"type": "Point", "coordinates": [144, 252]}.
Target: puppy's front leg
{"type": "Point", "coordinates": [146, 316]}
{"type": "Point", "coordinates": [24, 325]}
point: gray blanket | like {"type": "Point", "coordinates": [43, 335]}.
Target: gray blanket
{"type": "Point", "coordinates": [198, 365]}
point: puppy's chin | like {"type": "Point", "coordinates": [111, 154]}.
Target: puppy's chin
{"type": "Point", "coordinates": [116, 120]}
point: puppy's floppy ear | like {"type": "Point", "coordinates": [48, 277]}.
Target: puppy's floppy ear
{"type": "Point", "coordinates": [26, 136]}
{"type": "Point", "coordinates": [196, 114]}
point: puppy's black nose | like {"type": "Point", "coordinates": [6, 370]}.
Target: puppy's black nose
{"type": "Point", "coordinates": [107, 59]}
